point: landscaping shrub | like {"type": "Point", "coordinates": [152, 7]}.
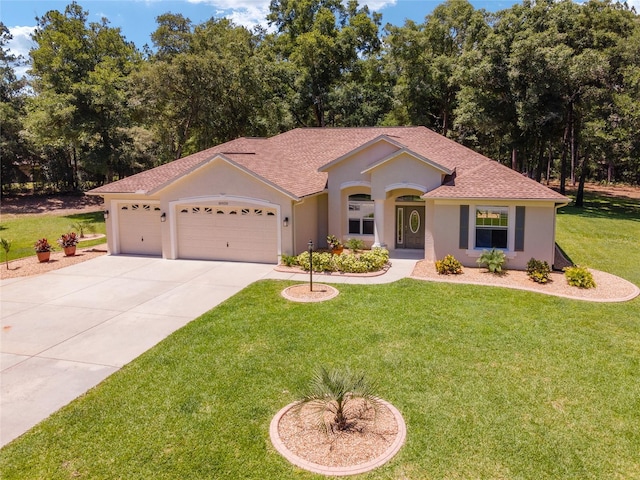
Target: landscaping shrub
{"type": "Point", "coordinates": [368, 261]}
{"type": "Point", "coordinates": [493, 259]}
{"type": "Point", "coordinates": [579, 277]}
{"type": "Point", "coordinates": [354, 244]}
{"type": "Point", "coordinates": [289, 260]}
{"type": "Point", "coordinates": [375, 259]}
{"type": "Point", "coordinates": [322, 261]}
{"type": "Point", "coordinates": [538, 270]}
{"type": "Point", "coordinates": [448, 266]}
{"type": "Point", "coordinates": [350, 264]}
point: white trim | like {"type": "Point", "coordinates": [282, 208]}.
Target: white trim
{"type": "Point", "coordinates": [511, 229]}
{"type": "Point", "coordinates": [355, 183]}
{"type": "Point", "coordinates": [410, 153]}
{"type": "Point", "coordinates": [230, 200]}
{"type": "Point", "coordinates": [378, 139]}
{"type": "Point", "coordinates": [406, 185]}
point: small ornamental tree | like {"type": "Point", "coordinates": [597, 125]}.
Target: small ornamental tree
{"type": "Point", "coordinates": [6, 246]}
{"type": "Point", "coordinates": [333, 392]}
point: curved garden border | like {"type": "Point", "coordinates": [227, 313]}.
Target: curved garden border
{"type": "Point", "coordinates": [383, 458]}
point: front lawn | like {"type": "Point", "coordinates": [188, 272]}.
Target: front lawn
{"type": "Point", "coordinates": [24, 231]}
{"type": "Point", "coordinates": [492, 383]}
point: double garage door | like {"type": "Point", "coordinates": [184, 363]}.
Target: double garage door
{"type": "Point", "coordinates": [222, 232]}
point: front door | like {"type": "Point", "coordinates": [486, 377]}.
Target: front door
{"type": "Point", "coordinates": [410, 227]}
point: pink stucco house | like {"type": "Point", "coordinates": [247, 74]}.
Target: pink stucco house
{"type": "Point", "coordinates": [254, 199]}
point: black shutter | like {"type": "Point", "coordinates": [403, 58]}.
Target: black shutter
{"type": "Point", "coordinates": [464, 226]}
{"type": "Point", "coordinates": [519, 246]}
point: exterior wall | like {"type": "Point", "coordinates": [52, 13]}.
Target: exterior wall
{"type": "Point", "coordinates": [539, 240]}
{"type": "Point", "coordinates": [404, 175]}
{"type": "Point", "coordinates": [403, 170]}
{"type": "Point", "coordinates": [308, 217]}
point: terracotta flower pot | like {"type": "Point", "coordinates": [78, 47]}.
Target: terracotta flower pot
{"type": "Point", "coordinates": [69, 251]}
{"type": "Point", "coordinates": [337, 250]}
{"type": "Point", "coordinates": [43, 256]}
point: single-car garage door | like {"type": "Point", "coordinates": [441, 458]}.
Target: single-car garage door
{"type": "Point", "coordinates": [140, 232]}
{"type": "Point", "coordinates": [235, 233]}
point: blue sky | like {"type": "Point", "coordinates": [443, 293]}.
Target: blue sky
{"type": "Point", "coordinates": [136, 18]}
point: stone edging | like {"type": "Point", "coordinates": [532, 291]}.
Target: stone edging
{"type": "Point", "coordinates": [383, 458]}
{"type": "Point", "coordinates": [332, 293]}
{"type": "Point", "coordinates": [631, 296]}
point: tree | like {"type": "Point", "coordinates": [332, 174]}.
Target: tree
{"type": "Point", "coordinates": [204, 86]}
{"type": "Point", "coordinates": [325, 43]}
{"type": "Point", "coordinates": [80, 106]}
{"type": "Point", "coordinates": [14, 148]}
{"type": "Point", "coordinates": [427, 59]}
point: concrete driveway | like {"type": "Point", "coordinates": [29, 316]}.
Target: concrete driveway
{"type": "Point", "coordinates": [65, 331]}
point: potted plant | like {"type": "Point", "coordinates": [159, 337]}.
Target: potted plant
{"type": "Point", "coordinates": [43, 250]}
{"type": "Point", "coordinates": [68, 242]}
{"type": "Point", "coordinates": [335, 245]}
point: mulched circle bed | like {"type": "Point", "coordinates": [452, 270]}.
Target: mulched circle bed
{"type": "Point", "coordinates": [378, 437]}
{"type": "Point", "coordinates": [302, 293]}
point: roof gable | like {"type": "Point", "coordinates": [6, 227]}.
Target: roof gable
{"type": "Point", "coordinates": [360, 148]}
{"type": "Point", "coordinates": [411, 154]}
{"type": "Point", "coordinates": [221, 157]}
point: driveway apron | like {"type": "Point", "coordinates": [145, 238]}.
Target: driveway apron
{"type": "Point", "coordinates": [65, 331]}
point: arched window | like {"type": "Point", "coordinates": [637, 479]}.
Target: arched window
{"type": "Point", "coordinates": [360, 214]}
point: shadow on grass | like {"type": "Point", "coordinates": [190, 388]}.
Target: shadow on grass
{"type": "Point", "coordinates": [603, 205]}
{"type": "Point", "coordinates": [95, 217]}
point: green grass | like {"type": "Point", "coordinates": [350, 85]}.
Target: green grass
{"type": "Point", "coordinates": [23, 231]}
{"type": "Point", "coordinates": [492, 383]}
{"type": "Point", "coordinates": [605, 234]}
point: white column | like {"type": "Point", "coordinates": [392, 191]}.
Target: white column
{"type": "Point", "coordinates": [378, 220]}
{"type": "Point", "coordinates": [429, 232]}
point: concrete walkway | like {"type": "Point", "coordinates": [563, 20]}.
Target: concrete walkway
{"type": "Point", "coordinates": [65, 331]}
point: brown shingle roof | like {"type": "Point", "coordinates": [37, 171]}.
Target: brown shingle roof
{"type": "Point", "coordinates": [492, 180]}
{"type": "Point", "coordinates": [291, 161]}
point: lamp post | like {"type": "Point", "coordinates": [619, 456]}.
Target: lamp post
{"type": "Point", "coordinates": [310, 244]}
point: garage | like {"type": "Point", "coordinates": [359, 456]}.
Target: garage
{"type": "Point", "coordinates": [140, 232]}
{"type": "Point", "coordinates": [230, 233]}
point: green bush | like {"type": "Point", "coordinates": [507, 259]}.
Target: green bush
{"type": "Point", "coordinates": [538, 270]}
{"type": "Point", "coordinates": [322, 261]}
{"type": "Point", "coordinates": [448, 266]}
{"type": "Point", "coordinates": [579, 277]}
{"type": "Point", "coordinates": [289, 260]}
{"type": "Point", "coordinates": [375, 259]}
{"type": "Point", "coordinates": [493, 259]}
{"type": "Point", "coordinates": [350, 264]}
{"type": "Point", "coordinates": [354, 244]}
{"type": "Point", "coordinates": [368, 261]}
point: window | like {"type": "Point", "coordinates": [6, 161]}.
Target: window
{"type": "Point", "coordinates": [492, 227]}
{"type": "Point", "coordinates": [360, 215]}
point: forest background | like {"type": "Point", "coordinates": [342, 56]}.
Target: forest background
{"type": "Point", "coordinates": [550, 88]}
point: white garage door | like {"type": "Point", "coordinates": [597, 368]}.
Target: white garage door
{"type": "Point", "coordinates": [140, 232]}
{"type": "Point", "coordinates": [243, 234]}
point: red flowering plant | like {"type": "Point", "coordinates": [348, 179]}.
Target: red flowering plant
{"type": "Point", "coordinates": [68, 240]}
{"type": "Point", "coordinates": [42, 245]}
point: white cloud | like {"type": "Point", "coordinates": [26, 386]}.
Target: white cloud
{"type": "Point", "coordinates": [634, 3]}
{"type": "Point", "coordinates": [247, 13]}
{"type": "Point", "coordinates": [20, 44]}
{"type": "Point", "coordinates": [254, 12]}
